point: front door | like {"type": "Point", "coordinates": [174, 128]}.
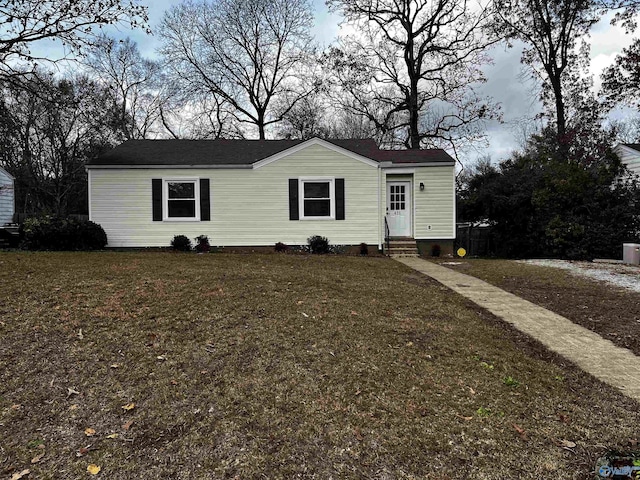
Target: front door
{"type": "Point", "coordinates": [399, 209]}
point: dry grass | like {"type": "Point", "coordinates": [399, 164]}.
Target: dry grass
{"type": "Point", "coordinates": [279, 366]}
{"type": "Point", "coordinates": [608, 310]}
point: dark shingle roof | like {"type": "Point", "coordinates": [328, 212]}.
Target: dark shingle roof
{"type": "Point", "coordinates": [634, 146]}
{"type": "Point", "coordinates": [244, 152]}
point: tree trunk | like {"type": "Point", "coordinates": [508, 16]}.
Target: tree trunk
{"type": "Point", "coordinates": [561, 120]}
{"type": "Point", "coordinates": [260, 124]}
{"type": "Point", "coordinates": [414, 116]}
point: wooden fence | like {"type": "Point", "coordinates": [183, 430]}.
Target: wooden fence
{"type": "Point", "coordinates": [476, 240]}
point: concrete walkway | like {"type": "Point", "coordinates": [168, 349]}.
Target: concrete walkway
{"type": "Point", "coordinates": [616, 366]}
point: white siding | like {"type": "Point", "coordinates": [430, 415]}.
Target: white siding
{"type": "Point", "coordinates": [630, 157]}
{"type": "Point", "coordinates": [7, 201]}
{"type": "Point", "coordinates": [434, 207]}
{"type": "Point", "coordinates": [248, 207]}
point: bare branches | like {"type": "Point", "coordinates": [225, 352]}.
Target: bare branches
{"type": "Point", "coordinates": [621, 81]}
{"type": "Point", "coordinates": [245, 54]}
{"type": "Point", "coordinates": [554, 32]}
{"type": "Point", "coordinates": [133, 83]}
{"type": "Point", "coordinates": [411, 58]}
{"type": "Point", "coordinates": [72, 22]}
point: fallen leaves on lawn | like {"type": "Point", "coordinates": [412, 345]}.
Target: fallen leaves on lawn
{"type": "Point", "coordinates": [89, 432]}
{"type": "Point", "coordinates": [128, 406]}
{"type": "Point", "coordinates": [521, 431]}
{"type": "Point", "coordinates": [127, 425]}
{"type": "Point", "coordinates": [116, 365]}
{"type": "Point", "coordinates": [567, 444]}
{"type": "Point", "coordinates": [112, 435]}
{"type": "Point", "coordinates": [83, 451]}
{"type": "Point", "coordinates": [19, 475]}
{"type": "Point", "coordinates": [93, 469]}
{"type": "Point", "coordinates": [37, 458]}
{"type": "Point", "coordinates": [72, 391]}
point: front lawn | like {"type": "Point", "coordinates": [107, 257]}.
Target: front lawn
{"type": "Point", "coordinates": [279, 366]}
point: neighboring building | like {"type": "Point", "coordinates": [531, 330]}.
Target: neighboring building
{"type": "Point", "coordinates": [629, 154]}
{"type": "Point", "coordinates": [7, 197]}
{"type": "Point", "coordinates": [250, 193]}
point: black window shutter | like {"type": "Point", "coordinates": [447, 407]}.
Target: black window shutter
{"type": "Point", "coordinates": [294, 213]}
{"type": "Point", "coordinates": [339, 198]}
{"type": "Point", "coordinates": [156, 199]}
{"type": "Point", "coordinates": [205, 203]}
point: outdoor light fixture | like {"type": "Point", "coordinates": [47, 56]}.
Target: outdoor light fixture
{"type": "Point", "coordinates": [421, 186]}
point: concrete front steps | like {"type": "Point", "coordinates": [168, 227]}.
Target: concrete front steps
{"type": "Point", "coordinates": [403, 248]}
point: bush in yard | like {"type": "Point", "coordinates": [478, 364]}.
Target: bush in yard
{"type": "Point", "coordinates": [338, 249]}
{"type": "Point", "coordinates": [364, 249]}
{"type": "Point", "coordinates": [181, 243]}
{"type": "Point", "coordinates": [62, 233]}
{"type": "Point", "coordinates": [318, 244]}
{"type": "Point", "coordinates": [435, 250]}
{"type": "Point", "coordinates": [202, 244]}
{"type": "Point", "coordinates": [281, 247]}
{"type": "Point", "coordinates": [568, 197]}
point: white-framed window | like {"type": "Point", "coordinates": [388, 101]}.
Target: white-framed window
{"type": "Point", "coordinates": [181, 198]}
{"type": "Point", "coordinates": [317, 198]}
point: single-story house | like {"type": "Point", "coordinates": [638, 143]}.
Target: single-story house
{"type": "Point", "coordinates": [255, 193]}
{"type": "Point", "coordinates": [629, 154]}
{"type": "Point", "coordinates": [7, 197]}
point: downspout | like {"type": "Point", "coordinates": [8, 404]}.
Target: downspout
{"type": "Point", "coordinates": [89, 193]}
{"type": "Point", "coordinates": [379, 209]}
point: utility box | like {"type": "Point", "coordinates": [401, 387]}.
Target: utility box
{"type": "Point", "coordinates": [631, 253]}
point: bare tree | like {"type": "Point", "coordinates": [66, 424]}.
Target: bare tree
{"type": "Point", "coordinates": [134, 84]}
{"type": "Point", "coordinates": [621, 81]}
{"type": "Point", "coordinates": [411, 67]}
{"type": "Point", "coordinates": [627, 130]}
{"type": "Point", "coordinates": [554, 32]}
{"type": "Point", "coordinates": [245, 54]}
{"type": "Point", "coordinates": [49, 138]}
{"type": "Point", "coordinates": [305, 120]}
{"type": "Point", "coordinates": [72, 22]}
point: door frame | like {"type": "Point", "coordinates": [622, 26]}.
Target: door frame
{"type": "Point", "coordinates": [409, 202]}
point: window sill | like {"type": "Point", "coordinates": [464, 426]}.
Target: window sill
{"type": "Point", "coordinates": [180, 219]}
{"type": "Point", "coordinates": [317, 218]}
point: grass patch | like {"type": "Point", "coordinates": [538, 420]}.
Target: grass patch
{"type": "Point", "coordinates": [286, 366]}
{"type": "Point", "coordinates": [610, 311]}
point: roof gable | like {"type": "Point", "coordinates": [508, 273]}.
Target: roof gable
{"type": "Point", "coordinates": [351, 148]}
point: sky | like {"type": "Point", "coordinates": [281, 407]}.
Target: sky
{"type": "Point", "coordinates": [507, 80]}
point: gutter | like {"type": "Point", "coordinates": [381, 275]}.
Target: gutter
{"type": "Point", "coordinates": [172, 166]}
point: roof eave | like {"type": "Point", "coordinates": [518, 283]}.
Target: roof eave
{"type": "Point", "coordinates": [416, 164]}
{"type": "Point", "coordinates": [171, 166]}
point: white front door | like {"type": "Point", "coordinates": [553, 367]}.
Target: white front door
{"type": "Point", "coordinates": [399, 209]}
